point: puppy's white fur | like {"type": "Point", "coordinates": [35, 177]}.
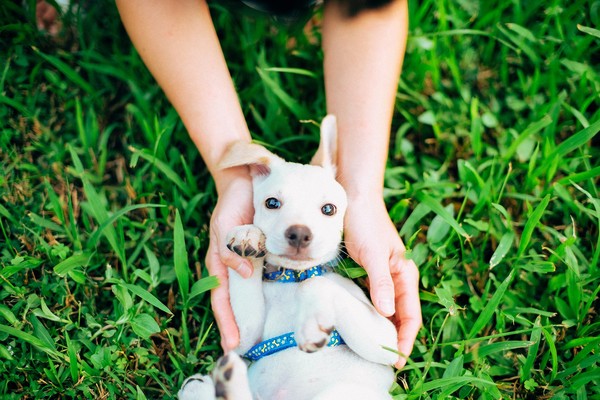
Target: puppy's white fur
{"type": "Point", "coordinates": [263, 310]}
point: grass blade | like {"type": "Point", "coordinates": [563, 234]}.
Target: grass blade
{"type": "Point", "coordinates": [32, 340]}
{"type": "Point", "coordinates": [21, 108]}
{"type": "Point", "coordinates": [436, 207]}
{"type": "Point", "coordinates": [99, 212]}
{"type": "Point", "coordinates": [535, 337]}
{"type": "Point", "coordinates": [589, 31]}
{"type": "Point", "coordinates": [532, 222]}
{"type": "Point", "coordinates": [164, 168]}
{"type": "Point", "coordinates": [491, 307]}
{"type": "Point", "coordinates": [519, 38]}
{"type": "Point", "coordinates": [180, 260]}
{"type": "Point", "coordinates": [147, 296]}
{"type": "Point", "coordinates": [576, 141]}
{"type": "Point", "coordinates": [40, 331]}
{"type": "Point", "coordinates": [93, 240]}
{"type": "Point", "coordinates": [596, 203]}
{"type": "Point", "coordinates": [443, 382]}
{"type": "Point", "coordinates": [288, 101]}
{"type": "Point", "coordinates": [581, 176]}
{"type": "Point", "coordinates": [67, 265]}
{"type": "Point", "coordinates": [503, 248]}
{"type": "Point", "coordinates": [454, 368]}
{"type": "Point", "coordinates": [73, 362]}
{"type": "Point", "coordinates": [553, 354]}
{"type": "Point", "coordinates": [204, 285]}
{"type": "Point", "coordinates": [66, 70]}
{"type": "Point", "coordinates": [498, 347]}
{"type": "Point", "coordinates": [144, 326]}
{"type": "Point", "coordinates": [297, 71]}
{"type": "Point", "coordinates": [532, 129]}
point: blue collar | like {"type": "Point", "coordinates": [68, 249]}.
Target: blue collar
{"type": "Point", "coordinates": [286, 275]}
{"type": "Point", "coordinates": [283, 342]}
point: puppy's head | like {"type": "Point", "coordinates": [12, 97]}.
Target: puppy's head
{"type": "Point", "coordinates": [300, 208]}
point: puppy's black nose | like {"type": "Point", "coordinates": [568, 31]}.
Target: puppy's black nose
{"type": "Point", "coordinates": [298, 236]}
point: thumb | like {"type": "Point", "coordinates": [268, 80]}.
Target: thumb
{"type": "Point", "coordinates": [230, 259]}
{"type": "Point", "coordinates": [235, 262]}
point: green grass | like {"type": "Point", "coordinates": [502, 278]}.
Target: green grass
{"type": "Point", "coordinates": [492, 180]}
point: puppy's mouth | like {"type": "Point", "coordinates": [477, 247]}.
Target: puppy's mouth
{"type": "Point", "coordinates": [296, 255]}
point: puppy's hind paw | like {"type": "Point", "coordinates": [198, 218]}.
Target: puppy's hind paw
{"type": "Point", "coordinates": [247, 241]}
{"type": "Point", "coordinates": [312, 336]}
{"type": "Point", "coordinates": [231, 378]}
{"type": "Point", "coordinates": [197, 387]}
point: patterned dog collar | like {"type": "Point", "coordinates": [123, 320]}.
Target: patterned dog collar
{"type": "Point", "coordinates": [283, 342]}
{"type": "Point", "coordinates": [286, 275]}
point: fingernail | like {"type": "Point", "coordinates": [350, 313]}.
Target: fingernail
{"type": "Point", "coordinates": [387, 307]}
{"type": "Point", "coordinates": [245, 270]}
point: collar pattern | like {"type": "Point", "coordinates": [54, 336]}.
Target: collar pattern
{"type": "Point", "coordinates": [286, 275]}
{"type": "Point", "coordinates": [283, 342]}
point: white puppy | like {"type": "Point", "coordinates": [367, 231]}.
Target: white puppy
{"type": "Point", "coordinates": [308, 332]}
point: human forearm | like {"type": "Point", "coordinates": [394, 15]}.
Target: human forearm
{"type": "Point", "coordinates": [178, 43]}
{"type": "Point", "coordinates": [363, 58]}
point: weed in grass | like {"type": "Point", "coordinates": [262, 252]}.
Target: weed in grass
{"type": "Point", "coordinates": [492, 180]}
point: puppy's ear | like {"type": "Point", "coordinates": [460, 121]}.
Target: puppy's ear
{"type": "Point", "coordinates": [259, 159]}
{"type": "Point", "coordinates": [326, 155]}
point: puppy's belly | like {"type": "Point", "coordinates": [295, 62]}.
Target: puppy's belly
{"type": "Point", "coordinates": [295, 375]}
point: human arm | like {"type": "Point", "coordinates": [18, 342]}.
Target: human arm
{"type": "Point", "coordinates": [363, 59]}
{"type": "Point", "coordinates": [179, 45]}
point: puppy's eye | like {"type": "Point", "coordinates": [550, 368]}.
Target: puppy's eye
{"type": "Point", "coordinates": [272, 203]}
{"type": "Point", "coordinates": [329, 209]}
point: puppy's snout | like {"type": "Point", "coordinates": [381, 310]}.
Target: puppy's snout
{"type": "Point", "coordinates": [298, 236]}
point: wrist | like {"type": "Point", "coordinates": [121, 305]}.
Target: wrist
{"type": "Point", "coordinates": [363, 193]}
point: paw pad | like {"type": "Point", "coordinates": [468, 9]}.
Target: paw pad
{"type": "Point", "coordinates": [229, 377]}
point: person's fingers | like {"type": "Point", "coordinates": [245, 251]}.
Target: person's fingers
{"type": "Point", "coordinates": [408, 307]}
{"type": "Point", "coordinates": [219, 231]}
{"type": "Point", "coordinates": [230, 336]}
{"type": "Point", "coordinates": [232, 260]}
{"type": "Point", "coordinates": [220, 303]}
{"type": "Point", "coordinates": [381, 285]}
{"type": "Point", "coordinates": [409, 328]}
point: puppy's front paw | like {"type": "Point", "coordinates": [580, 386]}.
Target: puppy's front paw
{"type": "Point", "coordinates": [247, 241]}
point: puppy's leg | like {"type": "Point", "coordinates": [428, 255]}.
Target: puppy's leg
{"type": "Point", "coordinates": [315, 317]}
{"type": "Point", "coordinates": [341, 304]}
{"type": "Point", "coordinates": [231, 379]}
{"type": "Point", "coordinates": [366, 331]}
{"type": "Point", "coordinates": [197, 387]}
{"type": "Point", "coordinates": [246, 295]}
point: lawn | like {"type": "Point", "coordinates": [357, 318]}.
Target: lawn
{"type": "Point", "coordinates": [493, 182]}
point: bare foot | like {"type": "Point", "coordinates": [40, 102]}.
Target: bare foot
{"type": "Point", "coordinates": [47, 17]}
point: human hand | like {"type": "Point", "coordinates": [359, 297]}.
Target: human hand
{"type": "Point", "coordinates": [234, 208]}
{"type": "Point", "coordinates": [373, 242]}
